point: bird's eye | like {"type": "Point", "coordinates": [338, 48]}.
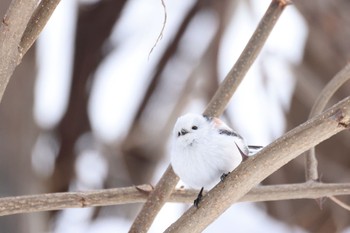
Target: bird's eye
{"type": "Point", "coordinates": [194, 127]}
{"type": "Point", "coordinates": [178, 134]}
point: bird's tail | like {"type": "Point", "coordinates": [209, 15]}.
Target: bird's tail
{"type": "Point", "coordinates": [254, 149]}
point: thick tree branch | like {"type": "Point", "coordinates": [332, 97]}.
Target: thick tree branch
{"type": "Point", "coordinates": [11, 30]}
{"type": "Point", "coordinates": [336, 82]}
{"type": "Point", "coordinates": [215, 108]}
{"type": "Point", "coordinates": [19, 29]}
{"type": "Point", "coordinates": [138, 194]}
{"type": "Point", "coordinates": [267, 161]}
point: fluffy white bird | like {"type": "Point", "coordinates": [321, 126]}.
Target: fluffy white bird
{"type": "Point", "coordinates": [205, 150]}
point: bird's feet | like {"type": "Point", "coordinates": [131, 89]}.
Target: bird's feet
{"type": "Point", "coordinates": [223, 176]}
{"type": "Point", "coordinates": [199, 198]}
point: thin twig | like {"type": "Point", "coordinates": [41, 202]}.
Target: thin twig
{"type": "Point", "coordinates": [139, 194]}
{"type": "Point", "coordinates": [215, 108]}
{"type": "Point", "coordinates": [160, 36]}
{"type": "Point", "coordinates": [328, 91]}
{"type": "Point", "coordinates": [267, 161]}
{"type": "Point", "coordinates": [11, 30]}
{"type": "Point", "coordinates": [37, 23]}
{"type": "Point", "coordinates": [340, 203]}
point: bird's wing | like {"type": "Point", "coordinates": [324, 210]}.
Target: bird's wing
{"type": "Point", "coordinates": [224, 129]}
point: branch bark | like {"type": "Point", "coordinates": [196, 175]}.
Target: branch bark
{"type": "Point", "coordinates": [37, 23]}
{"type": "Point", "coordinates": [267, 161]}
{"type": "Point", "coordinates": [11, 31]}
{"type": "Point", "coordinates": [221, 98]}
{"type": "Point", "coordinates": [328, 91]}
{"type": "Point", "coordinates": [139, 194]}
{"type": "Point", "coordinates": [215, 108]}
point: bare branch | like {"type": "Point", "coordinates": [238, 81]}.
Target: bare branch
{"type": "Point", "coordinates": [267, 161]}
{"type": "Point", "coordinates": [215, 108]}
{"type": "Point", "coordinates": [328, 91]}
{"type": "Point", "coordinates": [58, 201]}
{"type": "Point", "coordinates": [221, 98]}
{"type": "Point", "coordinates": [11, 31]}
{"type": "Point", "coordinates": [340, 203]}
{"type": "Point", "coordinates": [138, 194]}
{"type": "Point", "coordinates": [155, 201]}
{"type": "Point", "coordinates": [37, 23]}
{"type": "Point", "coordinates": [307, 190]}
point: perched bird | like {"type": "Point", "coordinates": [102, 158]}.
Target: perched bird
{"type": "Point", "coordinates": [205, 150]}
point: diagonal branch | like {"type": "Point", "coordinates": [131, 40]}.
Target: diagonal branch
{"type": "Point", "coordinates": [340, 203]}
{"type": "Point", "coordinates": [138, 194]}
{"type": "Point", "coordinates": [215, 108]}
{"type": "Point", "coordinates": [267, 161]}
{"type": "Point", "coordinates": [221, 98]}
{"type": "Point", "coordinates": [11, 30]}
{"type": "Point", "coordinates": [319, 105]}
{"type": "Point", "coordinates": [20, 27]}
{"type": "Point", "coordinates": [37, 23]}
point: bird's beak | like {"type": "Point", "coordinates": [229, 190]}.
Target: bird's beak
{"type": "Point", "coordinates": [183, 132]}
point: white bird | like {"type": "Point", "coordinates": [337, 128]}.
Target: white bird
{"type": "Point", "coordinates": [205, 150]}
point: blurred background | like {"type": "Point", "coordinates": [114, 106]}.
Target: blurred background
{"type": "Point", "coordinates": [90, 107]}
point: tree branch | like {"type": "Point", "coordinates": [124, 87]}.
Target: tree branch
{"type": "Point", "coordinates": [267, 161]}
{"type": "Point", "coordinates": [19, 29]}
{"type": "Point", "coordinates": [11, 31]}
{"type": "Point", "coordinates": [215, 108]}
{"type": "Point", "coordinates": [328, 91]}
{"type": "Point", "coordinates": [139, 194]}
{"type": "Point", "coordinates": [155, 201]}
{"type": "Point", "coordinates": [340, 203]}
{"type": "Point", "coordinates": [221, 98]}
{"type": "Point", "coordinates": [37, 23]}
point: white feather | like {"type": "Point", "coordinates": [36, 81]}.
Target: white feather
{"type": "Point", "coordinates": [200, 156]}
